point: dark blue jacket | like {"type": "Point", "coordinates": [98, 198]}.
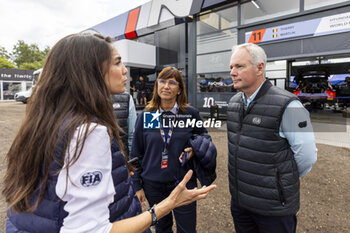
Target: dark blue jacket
{"type": "Point", "coordinates": [148, 146]}
{"type": "Point", "coordinates": [204, 161]}
{"type": "Point", "coordinates": [49, 215]}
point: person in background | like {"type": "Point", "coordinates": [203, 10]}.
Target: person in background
{"type": "Point", "coordinates": [141, 92]}
{"type": "Point", "coordinates": [133, 91]}
{"type": "Point", "coordinates": [166, 153]}
{"type": "Point", "coordinates": [347, 81]}
{"type": "Point", "coordinates": [125, 112]}
{"type": "Point", "coordinates": [66, 171]}
{"type": "Point", "coordinates": [271, 146]}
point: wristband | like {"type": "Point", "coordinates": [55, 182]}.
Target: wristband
{"type": "Point", "coordinates": [154, 217]}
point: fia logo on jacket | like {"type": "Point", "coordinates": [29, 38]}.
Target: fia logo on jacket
{"type": "Point", "coordinates": [91, 178]}
{"type": "Point", "coordinates": [116, 106]}
{"type": "Point", "coordinates": [256, 120]}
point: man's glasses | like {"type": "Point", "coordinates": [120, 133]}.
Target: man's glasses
{"type": "Point", "coordinates": [171, 83]}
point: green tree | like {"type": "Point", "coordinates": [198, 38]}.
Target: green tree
{"type": "Point", "coordinates": [46, 50]}
{"type": "Point", "coordinates": [31, 66]}
{"type": "Point", "coordinates": [4, 63]}
{"type": "Point", "coordinates": [4, 53]}
{"type": "Point", "coordinates": [24, 53]}
{"type": "Point", "coordinates": [23, 56]}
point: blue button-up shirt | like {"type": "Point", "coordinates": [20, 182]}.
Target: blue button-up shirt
{"type": "Point", "coordinates": [131, 121]}
{"type": "Point", "coordinates": [300, 139]}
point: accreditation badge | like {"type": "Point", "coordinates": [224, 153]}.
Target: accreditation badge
{"type": "Point", "coordinates": [164, 163]}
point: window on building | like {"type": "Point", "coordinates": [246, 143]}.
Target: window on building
{"type": "Point", "coordinates": [28, 85]}
{"type": "Point", "coordinates": [207, 23]}
{"type": "Point", "coordinates": [10, 89]}
{"type": "Point", "coordinates": [171, 45]}
{"type": "Point", "coordinates": [215, 37]}
{"type": "Point", "coordinates": [215, 82]}
{"type": "Point", "coordinates": [217, 41]}
{"type": "Point", "coordinates": [276, 71]}
{"type": "Point", "coordinates": [305, 63]}
{"type": "Point", "coordinates": [228, 17]}
{"type": "Point", "coordinates": [312, 4]}
{"type": "Point", "coordinates": [217, 20]}
{"type": "Point", "coordinates": [147, 39]}
{"type": "Point", "coordinates": [213, 72]}
{"type": "Point", "coordinates": [214, 62]}
{"type": "Point", "coordinates": [258, 10]}
{"type": "Point", "coordinates": [335, 60]}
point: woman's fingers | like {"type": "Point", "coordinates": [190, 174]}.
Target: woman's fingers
{"type": "Point", "coordinates": [182, 196]}
{"type": "Point", "coordinates": [203, 190]}
{"type": "Point", "coordinates": [141, 195]}
{"type": "Point", "coordinates": [196, 194]}
{"type": "Point", "coordinates": [180, 158]}
{"type": "Point", "coordinates": [188, 149]}
{"type": "Point", "coordinates": [186, 178]}
{"type": "Point", "coordinates": [190, 155]}
{"type": "Point", "coordinates": [190, 152]}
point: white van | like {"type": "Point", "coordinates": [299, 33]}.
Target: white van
{"type": "Point", "coordinates": [23, 96]}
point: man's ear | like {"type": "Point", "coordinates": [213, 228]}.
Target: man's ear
{"type": "Point", "coordinates": [261, 68]}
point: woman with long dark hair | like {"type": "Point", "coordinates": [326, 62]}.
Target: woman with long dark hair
{"type": "Point", "coordinates": [66, 170]}
{"type": "Point", "coordinates": [168, 149]}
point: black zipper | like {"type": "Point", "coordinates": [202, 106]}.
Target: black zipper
{"type": "Point", "coordinates": [279, 187]}
{"type": "Point", "coordinates": [237, 146]}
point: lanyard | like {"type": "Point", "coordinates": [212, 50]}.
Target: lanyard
{"type": "Point", "coordinates": [167, 138]}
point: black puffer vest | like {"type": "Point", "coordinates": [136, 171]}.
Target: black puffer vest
{"type": "Point", "coordinates": [263, 174]}
{"type": "Point", "coordinates": [121, 112]}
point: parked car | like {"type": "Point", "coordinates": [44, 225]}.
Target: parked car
{"type": "Point", "coordinates": [343, 93]}
{"type": "Point", "coordinates": [315, 89]}
{"type": "Point", "coordinates": [218, 84]}
{"type": "Point", "coordinates": [23, 96]}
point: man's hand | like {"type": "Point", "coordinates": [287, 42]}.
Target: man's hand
{"type": "Point", "coordinates": [142, 197]}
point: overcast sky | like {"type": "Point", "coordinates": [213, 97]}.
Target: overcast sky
{"type": "Point", "coordinates": [44, 22]}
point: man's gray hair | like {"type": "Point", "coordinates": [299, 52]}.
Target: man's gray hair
{"type": "Point", "coordinates": [257, 54]}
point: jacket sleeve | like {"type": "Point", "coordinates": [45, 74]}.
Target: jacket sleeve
{"type": "Point", "coordinates": [138, 150]}
{"type": "Point", "coordinates": [204, 150]}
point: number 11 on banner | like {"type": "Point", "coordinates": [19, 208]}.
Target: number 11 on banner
{"type": "Point", "coordinates": [257, 36]}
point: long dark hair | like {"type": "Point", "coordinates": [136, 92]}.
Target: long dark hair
{"type": "Point", "coordinates": [181, 99]}
{"type": "Point", "coordinates": [71, 91]}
